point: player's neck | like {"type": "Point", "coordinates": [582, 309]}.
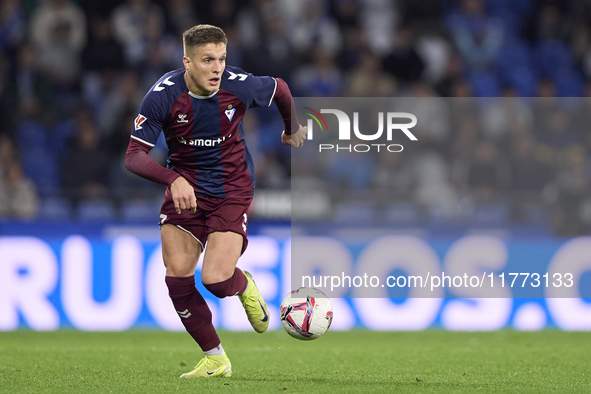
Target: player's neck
{"type": "Point", "coordinates": [194, 89]}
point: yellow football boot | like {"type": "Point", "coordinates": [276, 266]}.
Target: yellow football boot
{"type": "Point", "coordinates": [255, 306]}
{"type": "Point", "coordinates": [211, 366]}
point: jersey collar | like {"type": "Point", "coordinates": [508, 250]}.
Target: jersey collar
{"type": "Point", "coordinates": [193, 94]}
{"type": "Point", "coordinates": [203, 97]}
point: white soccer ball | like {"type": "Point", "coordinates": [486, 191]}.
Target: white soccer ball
{"type": "Point", "coordinates": [306, 313]}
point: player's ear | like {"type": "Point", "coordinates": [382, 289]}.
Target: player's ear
{"type": "Point", "coordinates": [186, 62]}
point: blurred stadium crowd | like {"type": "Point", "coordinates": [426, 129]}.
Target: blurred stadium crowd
{"type": "Point", "coordinates": [73, 73]}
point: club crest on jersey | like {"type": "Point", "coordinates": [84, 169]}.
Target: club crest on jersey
{"type": "Point", "coordinates": [139, 120]}
{"type": "Point", "coordinates": [230, 112]}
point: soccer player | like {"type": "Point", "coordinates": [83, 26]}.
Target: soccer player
{"type": "Point", "coordinates": [209, 179]}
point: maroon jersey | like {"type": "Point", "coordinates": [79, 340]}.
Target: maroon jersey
{"type": "Point", "coordinates": [204, 134]}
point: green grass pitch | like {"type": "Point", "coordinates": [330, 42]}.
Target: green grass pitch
{"type": "Point", "coordinates": [355, 361]}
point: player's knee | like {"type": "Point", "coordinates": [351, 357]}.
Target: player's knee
{"type": "Point", "coordinates": [178, 272]}
{"type": "Point", "coordinates": [211, 276]}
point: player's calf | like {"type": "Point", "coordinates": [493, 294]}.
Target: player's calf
{"type": "Point", "coordinates": [193, 311]}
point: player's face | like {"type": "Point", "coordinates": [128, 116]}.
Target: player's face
{"type": "Point", "coordinates": [205, 68]}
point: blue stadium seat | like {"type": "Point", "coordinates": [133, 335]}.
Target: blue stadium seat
{"type": "Point", "coordinates": [400, 213]}
{"type": "Point", "coordinates": [524, 81]}
{"type": "Point", "coordinates": [55, 208]}
{"type": "Point", "coordinates": [495, 7]}
{"type": "Point", "coordinates": [569, 83]}
{"type": "Point", "coordinates": [62, 134]}
{"type": "Point", "coordinates": [516, 69]}
{"type": "Point", "coordinates": [140, 210]}
{"type": "Point", "coordinates": [41, 167]}
{"type": "Point", "coordinates": [484, 84]}
{"type": "Point", "coordinates": [96, 210]}
{"type": "Point", "coordinates": [552, 56]}
{"type": "Point", "coordinates": [357, 212]}
{"type": "Point", "coordinates": [536, 213]}
{"type": "Point", "coordinates": [520, 10]}
{"type": "Point", "coordinates": [32, 134]}
{"type": "Point", "coordinates": [490, 214]}
{"type": "Point", "coordinates": [523, 8]}
{"type": "Point", "coordinates": [511, 22]}
{"type": "Point", "coordinates": [514, 54]}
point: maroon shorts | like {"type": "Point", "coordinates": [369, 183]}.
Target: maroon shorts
{"type": "Point", "coordinates": [213, 214]}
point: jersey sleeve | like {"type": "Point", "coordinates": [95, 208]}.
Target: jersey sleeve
{"type": "Point", "coordinates": [254, 91]}
{"type": "Point", "coordinates": [150, 119]}
{"type": "Point", "coordinates": [262, 91]}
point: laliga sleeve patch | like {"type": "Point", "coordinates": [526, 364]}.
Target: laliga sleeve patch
{"type": "Point", "coordinates": [139, 120]}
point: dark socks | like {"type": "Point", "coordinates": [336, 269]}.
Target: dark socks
{"type": "Point", "coordinates": [193, 311]}
{"type": "Point", "coordinates": [235, 285]}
